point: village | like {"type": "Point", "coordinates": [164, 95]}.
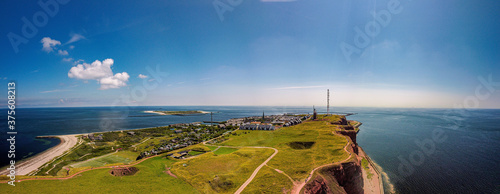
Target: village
{"type": "Point", "coordinates": [182, 135]}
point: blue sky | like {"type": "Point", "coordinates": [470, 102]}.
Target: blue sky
{"type": "Point", "coordinates": [285, 53]}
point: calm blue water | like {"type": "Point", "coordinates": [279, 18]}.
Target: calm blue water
{"type": "Point", "coordinates": [465, 157]}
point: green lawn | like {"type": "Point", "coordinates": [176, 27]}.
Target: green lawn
{"type": "Point", "coordinates": [115, 158]}
{"type": "Point", "coordinates": [210, 173]}
{"type": "Point", "coordinates": [269, 181]}
{"type": "Point", "coordinates": [194, 153]}
{"type": "Point", "coordinates": [151, 178]}
{"type": "Point", "coordinates": [297, 163]}
{"type": "Point", "coordinates": [224, 150]}
{"type": "Point", "coordinates": [212, 148]}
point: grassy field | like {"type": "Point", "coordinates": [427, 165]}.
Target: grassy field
{"type": "Point", "coordinates": [151, 178]}
{"type": "Point", "coordinates": [269, 181]}
{"type": "Point", "coordinates": [301, 148]}
{"type": "Point", "coordinates": [194, 153]}
{"type": "Point", "coordinates": [212, 148]}
{"type": "Point", "coordinates": [123, 157]}
{"type": "Point", "coordinates": [297, 163]}
{"type": "Point", "coordinates": [210, 173]}
{"type": "Point", "coordinates": [224, 150]}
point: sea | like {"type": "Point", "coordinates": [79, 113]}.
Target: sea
{"type": "Point", "coordinates": [418, 150]}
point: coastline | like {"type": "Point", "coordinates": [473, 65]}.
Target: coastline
{"type": "Point", "coordinates": [30, 165]}
{"type": "Point", "coordinates": [162, 113]}
{"type": "Point", "coordinates": [375, 184]}
{"type": "Point", "coordinates": [24, 167]}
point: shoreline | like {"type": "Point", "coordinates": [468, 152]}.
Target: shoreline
{"type": "Point", "coordinates": [375, 186]}
{"type": "Point", "coordinates": [24, 167]}
{"type": "Point", "coordinates": [162, 113]}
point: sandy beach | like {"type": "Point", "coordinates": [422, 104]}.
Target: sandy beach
{"type": "Point", "coordinates": [154, 112]}
{"type": "Point", "coordinates": [374, 184]}
{"type": "Point", "coordinates": [162, 113]}
{"type": "Point", "coordinates": [33, 163]}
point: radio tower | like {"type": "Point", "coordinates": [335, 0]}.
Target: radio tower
{"type": "Point", "coordinates": [327, 101]}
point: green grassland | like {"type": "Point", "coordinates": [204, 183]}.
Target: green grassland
{"type": "Point", "coordinates": [194, 153]}
{"type": "Point", "coordinates": [297, 163]}
{"type": "Point", "coordinates": [301, 148]}
{"type": "Point", "coordinates": [151, 178]}
{"type": "Point", "coordinates": [224, 150]}
{"type": "Point", "coordinates": [269, 181]}
{"type": "Point", "coordinates": [212, 148]}
{"type": "Point", "coordinates": [210, 173]}
{"type": "Point", "coordinates": [116, 158]}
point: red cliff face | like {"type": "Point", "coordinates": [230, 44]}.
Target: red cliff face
{"type": "Point", "coordinates": [351, 134]}
{"type": "Point", "coordinates": [345, 178]}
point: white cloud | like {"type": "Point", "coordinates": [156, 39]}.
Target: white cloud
{"type": "Point", "coordinates": [62, 52]}
{"type": "Point", "coordinates": [67, 59]}
{"type": "Point", "coordinates": [100, 71]}
{"type": "Point", "coordinates": [74, 38]}
{"type": "Point", "coordinates": [71, 47]}
{"type": "Point", "coordinates": [49, 44]}
{"type": "Point", "coordinates": [51, 91]}
{"type": "Point", "coordinates": [142, 76]}
{"type": "Point", "coordinates": [116, 81]}
{"type": "Point", "coordinates": [78, 61]}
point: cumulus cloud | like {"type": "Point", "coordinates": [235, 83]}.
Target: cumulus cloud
{"type": "Point", "coordinates": [74, 38]}
{"type": "Point", "coordinates": [116, 81]}
{"type": "Point", "coordinates": [142, 76]}
{"type": "Point", "coordinates": [62, 52]}
{"type": "Point", "coordinates": [100, 71]}
{"type": "Point", "coordinates": [49, 44]}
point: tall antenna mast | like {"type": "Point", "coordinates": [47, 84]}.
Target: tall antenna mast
{"type": "Point", "coordinates": [327, 101]}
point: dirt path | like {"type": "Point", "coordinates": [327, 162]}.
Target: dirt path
{"type": "Point", "coordinates": [27, 166]}
{"type": "Point", "coordinates": [298, 187]}
{"type": "Point", "coordinates": [242, 187]}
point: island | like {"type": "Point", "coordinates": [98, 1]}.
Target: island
{"type": "Point", "coordinates": [187, 112]}
{"type": "Point", "coordinates": [273, 153]}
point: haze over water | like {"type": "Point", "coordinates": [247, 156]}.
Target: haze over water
{"type": "Point", "coordinates": [465, 162]}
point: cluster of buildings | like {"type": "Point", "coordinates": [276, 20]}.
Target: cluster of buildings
{"type": "Point", "coordinates": [265, 127]}
{"type": "Point", "coordinates": [187, 136]}
{"type": "Point", "coordinates": [92, 137]}
{"type": "Point", "coordinates": [270, 122]}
